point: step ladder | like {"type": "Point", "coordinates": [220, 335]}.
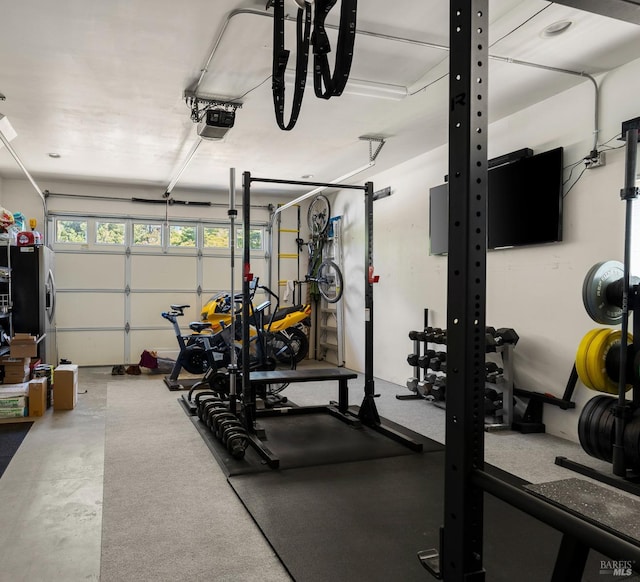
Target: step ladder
{"type": "Point", "coordinates": [330, 321]}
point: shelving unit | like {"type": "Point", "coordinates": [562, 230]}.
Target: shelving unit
{"type": "Point", "coordinates": [6, 297]}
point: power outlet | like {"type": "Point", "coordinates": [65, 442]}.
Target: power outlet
{"type": "Point", "coordinates": [594, 160]}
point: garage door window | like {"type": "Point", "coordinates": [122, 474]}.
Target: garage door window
{"type": "Point", "coordinates": [255, 239]}
{"type": "Point", "coordinates": [182, 236]}
{"type": "Point", "coordinates": [216, 237]}
{"type": "Point", "coordinates": [71, 231]}
{"type": "Point", "coordinates": [110, 233]}
{"type": "Point", "coordinates": [149, 235]}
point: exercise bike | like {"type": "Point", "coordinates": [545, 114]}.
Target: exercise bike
{"type": "Point", "coordinates": [288, 325]}
{"type": "Point", "coordinates": [209, 353]}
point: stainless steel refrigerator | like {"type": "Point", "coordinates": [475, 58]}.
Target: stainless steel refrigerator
{"type": "Point", "coordinates": [33, 295]}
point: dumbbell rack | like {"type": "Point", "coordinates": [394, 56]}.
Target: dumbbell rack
{"type": "Point", "coordinates": [421, 385]}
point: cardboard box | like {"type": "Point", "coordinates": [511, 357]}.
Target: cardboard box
{"type": "Point", "coordinates": [14, 402]}
{"type": "Point", "coordinates": [16, 370]}
{"type": "Point", "coordinates": [65, 387]}
{"type": "Point", "coordinates": [37, 396]}
{"type": "Point", "coordinates": [12, 412]}
{"type": "Point", "coordinates": [23, 345]}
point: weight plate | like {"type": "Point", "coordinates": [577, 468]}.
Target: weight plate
{"type": "Point", "coordinates": [606, 431]}
{"type": "Point", "coordinates": [584, 424]}
{"type": "Point", "coordinates": [595, 423]}
{"type": "Point", "coordinates": [597, 358]}
{"type": "Point", "coordinates": [599, 413]}
{"type": "Point", "coordinates": [594, 292]}
{"type": "Point", "coordinates": [582, 354]}
{"type": "Point", "coordinates": [632, 442]}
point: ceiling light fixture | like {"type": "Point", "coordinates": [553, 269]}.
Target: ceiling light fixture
{"type": "Point", "coordinates": [54, 155]}
{"type": "Point", "coordinates": [556, 28]}
{"type": "Point", "coordinates": [6, 129]}
{"type": "Point", "coordinates": [306, 176]}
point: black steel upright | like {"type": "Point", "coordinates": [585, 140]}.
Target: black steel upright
{"type": "Point", "coordinates": [368, 411]}
{"type": "Point", "coordinates": [248, 398]}
{"type": "Point", "coordinates": [461, 557]}
{"type": "Point", "coordinates": [629, 193]}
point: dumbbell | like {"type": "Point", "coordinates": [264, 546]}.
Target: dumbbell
{"type": "Point", "coordinates": [492, 400]}
{"type": "Point", "coordinates": [425, 360]}
{"type": "Point", "coordinates": [435, 363]}
{"type": "Point", "coordinates": [424, 386]}
{"type": "Point", "coordinates": [439, 388]}
{"type": "Point", "coordinates": [413, 359]}
{"type": "Point", "coordinates": [418, 336]}
{"type": "Point", "coordinates": [507, 335]}
{"type": "Point", "coordinates": [436, 335]}
{"type": "Point", "coordinates": [493, 372]}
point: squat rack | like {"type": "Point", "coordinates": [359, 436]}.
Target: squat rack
{"type": "Point", "coordinates": [368, 413]}
{"type": "Point", "coordinates": [460, 558]}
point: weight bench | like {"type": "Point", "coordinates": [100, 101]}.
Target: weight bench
{"type": "Point", "coordinates": [306, 375]}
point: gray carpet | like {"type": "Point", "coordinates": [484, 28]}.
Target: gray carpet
{"type": "Point", "coordinates": [169, 513]}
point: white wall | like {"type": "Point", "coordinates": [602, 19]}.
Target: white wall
{"type": "Point", "coordinates": [535, 290]}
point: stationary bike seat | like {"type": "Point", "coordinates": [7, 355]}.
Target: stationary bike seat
{"type": "Point", "coordinates": [179, 306]}
{"type": "Point", "coordinates": [199, 326]}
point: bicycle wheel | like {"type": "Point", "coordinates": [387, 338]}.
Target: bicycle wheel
{"type": "Point", "coordinates": [330, 281]}
{"type": "Point", "coordinates": [318, 215]}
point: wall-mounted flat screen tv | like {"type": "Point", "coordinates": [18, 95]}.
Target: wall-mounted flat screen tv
{"type": "Point", "coordinates": [524, 205]}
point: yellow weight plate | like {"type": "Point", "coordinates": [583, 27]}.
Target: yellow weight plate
{"type": "Point", "coordinates": [581, 356]}
{"type": "Point", "coordinates": [597, 359]}
{"type": "Point", "coordinates": [595, 369]}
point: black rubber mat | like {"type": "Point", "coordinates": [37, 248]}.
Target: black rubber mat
{"type": "Point", "coordinates": [609, 509]}
{"type": "Point", "coordinates": [366, 521]}
{"type": "Point", "coordinates": [11, 437]}
{"type": "Point", "coordinates": [309, 440]}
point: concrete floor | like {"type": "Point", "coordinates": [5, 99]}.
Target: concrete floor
{"type": "Point", "coordinates": [52, 492]}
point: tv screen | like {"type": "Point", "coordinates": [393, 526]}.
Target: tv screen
{"type": "Point", "coordinates": [524, 204]}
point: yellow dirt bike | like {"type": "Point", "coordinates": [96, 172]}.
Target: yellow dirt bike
{"type": "Point", "coordinates": [288, 325]}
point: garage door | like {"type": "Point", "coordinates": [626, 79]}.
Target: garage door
{"type": "Point", "coordinates": [115, 276]}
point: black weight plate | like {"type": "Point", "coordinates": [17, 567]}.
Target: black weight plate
{"type": "Point", "coordinates": [594, 426]}
{"type": "Point", "coordinates": [585, 423]}
{"type": "Point", "coordinates": [594, 292]}
{"type": "Point", "coordinates": [632, 442]}
{"type": "Point", "coordinates": [606, 434]}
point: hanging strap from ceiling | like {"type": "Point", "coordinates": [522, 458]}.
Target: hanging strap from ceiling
{"type": "Point", "coordinates": [326, 84]}
{"type": "Point", "coordinates": [281, 58]}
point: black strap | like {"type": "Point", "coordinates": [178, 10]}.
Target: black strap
{"type": "Point", "coordinates": [325, 84]}
{"type": "Point", "coordinates": [281, 58]}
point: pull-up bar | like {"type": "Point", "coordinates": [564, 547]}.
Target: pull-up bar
{"type": "Point", "coordinates": [303, 183]}
{"type": "Point", "coordinates": [335, 183]}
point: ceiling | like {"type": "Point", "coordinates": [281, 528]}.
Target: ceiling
{"type": "Point", "coordinates": [102, 84]}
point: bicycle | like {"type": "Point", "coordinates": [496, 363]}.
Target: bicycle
{"type": "Point", "coordinates": [324, 275]}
